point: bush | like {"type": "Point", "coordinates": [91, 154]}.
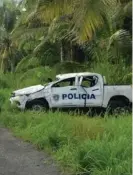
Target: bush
{"type": "Point", "coordinates": [9, 80]}
{"type": "Point", "coordinates": [36, 76]}
{"type": "Point", "coordinates": [69, 67]}
{"type": "Point", "coordinates": [2, 100]}
{"type": "Point", "coordinates": [28, 62]}
{"type": "Point", "coordinates": [115, 73]}
{"type": "Point", "coordinates": [3, 84]}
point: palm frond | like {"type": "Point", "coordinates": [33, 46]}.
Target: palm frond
{"type": "Point", "coordinates": [47, 11]}
{"type": "Point", "coordinates": [22, 33]}
{"type": "Point", "coordinates": [128, 9]}
{"type": "Point", "coordinates": [120, 45]}
{"type": "Point", "coordinates": [27, 63]}
{"type": "Point", "coordinates": [87, 16]}
{"type": "Point", "coordinates": [39, 46]}
{"type": "Point", "coordinates": [121, 38]}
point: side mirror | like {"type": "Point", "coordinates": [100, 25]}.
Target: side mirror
{"type": "Point", "coordinates": [49, 80]}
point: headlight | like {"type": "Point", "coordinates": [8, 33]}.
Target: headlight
{"type": "Point", "coordinates": [13, 94]}
{"type": "Point", "coordinates": [17, 103]}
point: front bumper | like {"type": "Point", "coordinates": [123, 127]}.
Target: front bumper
{"type": "Point", "coordinates": [18, 102]}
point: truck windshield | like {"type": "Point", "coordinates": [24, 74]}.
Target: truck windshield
{"type": "Point", "coordinates": [52, 82]}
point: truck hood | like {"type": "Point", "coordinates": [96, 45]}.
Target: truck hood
{"type": "Point", "coordinates": [29, 90]}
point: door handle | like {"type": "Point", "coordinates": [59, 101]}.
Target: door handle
{"type": "Point", "coordinates": [95, 89]}
{"type": "Point", "coordinates": [73, 89]}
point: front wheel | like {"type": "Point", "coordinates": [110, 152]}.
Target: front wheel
{"type": "Point", "coordinates": [37, 105]}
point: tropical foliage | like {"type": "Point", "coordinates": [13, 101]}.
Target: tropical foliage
{"type": "Point", "coordinates": [40, 38]}
{"type": "Point", "coordinates": [49, 32]}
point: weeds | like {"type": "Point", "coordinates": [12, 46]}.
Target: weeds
{"type": "Point", "coordinates": [82, 145]}
{"type": "Point", "coordinates": [87, 146]}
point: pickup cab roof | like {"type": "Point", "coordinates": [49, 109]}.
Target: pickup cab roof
{"type": "Point", "coordinates": [71, 75]}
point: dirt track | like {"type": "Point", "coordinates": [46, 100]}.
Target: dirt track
{"type": "Point", "coordinates": [19, 158]}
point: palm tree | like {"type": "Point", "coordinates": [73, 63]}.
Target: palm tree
{"type": "Point", "coordinates": [83, 19]}
{"type": "Point", "coordinates": [85, 16]}
{"type": "Point", "coordinates": [7, 46]}
{"type": "Point", "coordinates": [120, 43]}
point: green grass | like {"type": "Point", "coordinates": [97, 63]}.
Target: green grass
{"type": "Point", "coordinates": [83, 146]}
{"type": "Point", "coordinates": [88, 146]}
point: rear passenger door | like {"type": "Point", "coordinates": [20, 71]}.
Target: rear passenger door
{"type": "Point", "coordinates": [90, 91]}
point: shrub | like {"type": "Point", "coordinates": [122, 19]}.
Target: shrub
{"type": "Point", "coordinates": [2, 100]}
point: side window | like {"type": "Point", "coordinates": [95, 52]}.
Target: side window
{"type": "Point", "coordinates": [66, 82]}
{"type": "Point", "coordinates": [89, 81]}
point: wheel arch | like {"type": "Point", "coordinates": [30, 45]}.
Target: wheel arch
{"type": "Point", "coordinates": [122, 98]}
{"type": "Point", "coordinates": [35, 100]}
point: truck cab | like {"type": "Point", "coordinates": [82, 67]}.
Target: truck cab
{"type": "Point", "coordinates": [77, 90]}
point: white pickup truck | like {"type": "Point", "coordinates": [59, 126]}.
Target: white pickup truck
{"type": "Point", "coordinates": [75, 90]}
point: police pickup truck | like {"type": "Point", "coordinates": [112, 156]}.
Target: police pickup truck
{"type": "Point", "coordinates": [75, 90]}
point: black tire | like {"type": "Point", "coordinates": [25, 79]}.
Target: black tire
{"type": "Point", "coordinates": [121, 110]}
{"type": "Point", "coordinates": [118, 108]}
{"type": "Point", "coordinates": [37, 105]}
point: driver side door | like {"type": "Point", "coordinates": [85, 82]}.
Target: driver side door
{"type": "Point", "coordinates": [63, 93]}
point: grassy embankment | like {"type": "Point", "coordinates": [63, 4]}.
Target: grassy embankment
{"type": "Point", "coordinates": [82, 145]}
{"type": "Point", "coordinates": [89, 146]}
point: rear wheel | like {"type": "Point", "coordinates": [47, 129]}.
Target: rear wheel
{"type": "Point", "coordinates": [118, 108]}
{"type": "Point", "coordinates": [37, 105]}
{"type": "Point", "coordinates": [121, 110]}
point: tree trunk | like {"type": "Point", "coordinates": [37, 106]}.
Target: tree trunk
{"type": "Point", "coordinates": [12, 67]}
{"type": "Point", "coordinates": [78, 54]}
{"type": "Point", "coordinates": [2, 65]}
{"type": "Point", "coordinates": [71, 51]}
{"type": "Point", "coordinates": [61, 52]}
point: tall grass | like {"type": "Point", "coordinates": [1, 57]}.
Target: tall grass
{"type": "Point", "coordinates": [83, 146]}
{"type": "Point", "coordinates": [115, 74]}
{"type": "Point", "coordinates": [31, 77]}
{"type": "Point", "coordinates": [89, 146]}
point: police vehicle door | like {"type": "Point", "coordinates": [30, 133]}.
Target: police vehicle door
{"type": "Point", "coordinates": [63, 93]}
{"type": "Point", "coordinates": [90, 91]}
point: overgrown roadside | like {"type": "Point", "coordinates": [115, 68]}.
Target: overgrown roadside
{"type": "Point", "coordinates": [89, 146]}
{"type": "Point", "coordinates": [19, 158]}
{"type": "Point", "coordinates": [81, 145]}
{"type": "Point", "coordinates": [40, 39]}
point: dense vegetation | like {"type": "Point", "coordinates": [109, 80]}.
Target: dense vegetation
{"type": "Point", "coordinates": [40, 38]}
{"type": "Point", "coordinates": [67, 36]}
